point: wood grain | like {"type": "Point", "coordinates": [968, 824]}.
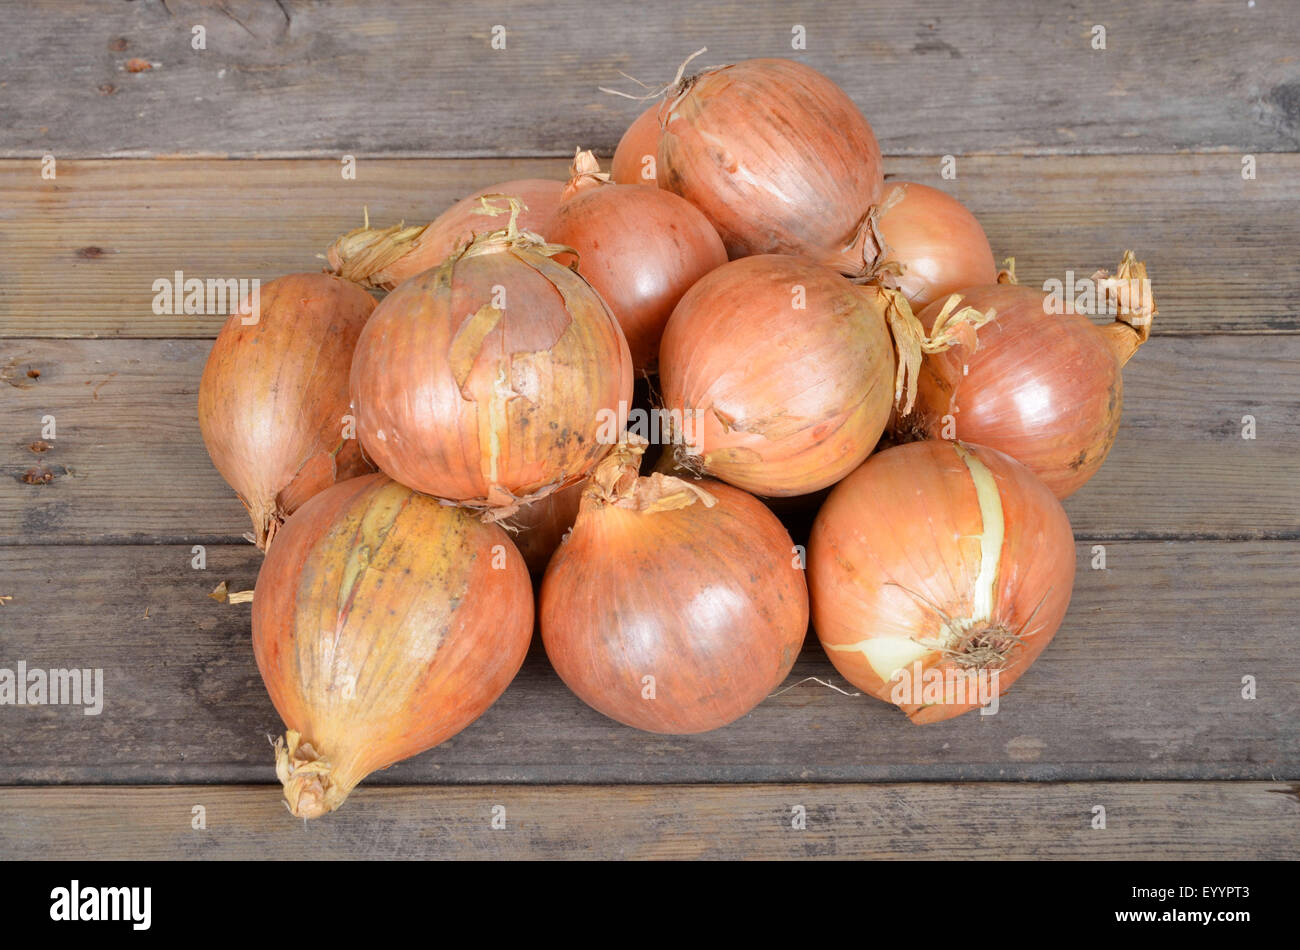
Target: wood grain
{"type": "Point", "coordinates": [79, 255]}
{"type": "Point", "coordinates": [994, 821]}
{"type": "Point", "coordinates": [1144, 680]}
{"type": "Point", "coordinates": [403, 77]}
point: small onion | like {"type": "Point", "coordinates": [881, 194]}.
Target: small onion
{"type": "Point", "coordinates": [384, 257]}
{"type": "Point", "coordinates": [273, 400]}
{"type": "Point", "coordinates": [383, 624]}
{"type": "Point", "coordinates": [674, 606]}
{"type": "Point", "coordinates": [938, 572]}
{"type": "Point", "coordinates": [493, 379]}
{"type": "Point", "coordinates": [1044, 387]}
{"type": "Point", "coordinates": [635, 156]}
{"type": "Point", "coordinates": [777, 156]}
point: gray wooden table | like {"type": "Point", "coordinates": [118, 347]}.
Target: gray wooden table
{"type": "Point", "coordinates": [227, 160]}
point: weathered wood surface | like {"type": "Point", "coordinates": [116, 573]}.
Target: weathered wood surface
{"type": "Point", "coordinates": [128, 464]}
{"type": "Point", "coordinates": [79, 254]}
{"type": "Point", "coordinates": [1143, 681]}
{"type": "Point", "coordinates": [410, 78]}
{"type": "Point", "coordinates": [983, 822]}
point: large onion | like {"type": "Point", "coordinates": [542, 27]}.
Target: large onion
{"type": "Point", "coordinates": [637, 151]}
{"type": "Point", "coordinates": [495, 378]}
{"type": "Point", "coordinates": [777, 157]}
{"type": "Point", "coordinates": [384, 257]}
{"type": "Point", "coordinates": [273, 400]}
{"type": "Point", "coordinates": [935, 566]}
{"type": "Point", "coordinates": [1044, 387]}
{"type": "Point", "coordinates": [383, 623]}
{"type": "Point", "coordinates": [674, 606]}
{"type": "Point", "coordinates": [641, 248]}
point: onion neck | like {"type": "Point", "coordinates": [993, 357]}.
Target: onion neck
{"type": "Point", "coordinates": [1130, 291]}
{"type": "Point", "coordinates": [363, 254]}
{"type": "Point", "coordinates": [584, 174]}
{"type": "Point", "coordinates": [312, 786]}
{"type": "Point", "coordinates": [616, 483]}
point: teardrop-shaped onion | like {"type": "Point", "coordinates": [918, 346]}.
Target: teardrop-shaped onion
{"type": "Point", "coordinates": [778, 157]}
{"type": "Point", "coordinates": [273, 400]}
{"type": "Point", "coordinates": [637, 151]}
{"type": "Point", "coordinates": [1044, 387]}
{"type": "Point", "coordinates": [938, 572]}
{"type": "Point", "coordinates": [494, 378]}
{"type": "Point", "coordinates": [935, 242]}
{"type": "Point", "coordinates": [383, 624]}
{"type": "Point", "coordinates": [384, 257]}
{"type": "Point", "coordinates": [674, 606]}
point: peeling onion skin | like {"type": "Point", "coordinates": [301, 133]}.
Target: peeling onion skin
{"type": "Point", "coordinates": [708, 601]}
{"type": "Point", "coordinates": [784, 401]}
{"type": "Point", "coordinates": [777, 156]}
{"type": "Point", "coordinates": [435, 378]}
{"type": "Point", "coordinates": [639, 142]}
{"type": "Point", "coordinates": [911, 518]}
{"type": "Point", "coordinates": [273, 399]}
{"type": "Point", "coordinates": [383, 624]}
{"type": "Point", "coordinates": [938, 242]}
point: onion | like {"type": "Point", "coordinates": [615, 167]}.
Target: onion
{"type": "Point", "coordinates": [384, 257]}
{"type": "Point", "coordinates": [383, 624]}
{"type": "Point", "coordinates": [493, 379]}
{"type": "Point", "coordinates": [938, 571]}
{"type": "Point", "coordinates": [777, 157]}
{"type": "Point", "coordinates": [674, 606]}
{"type": "Point", "coordinates": [641, 248]}
{"type": "Point", "coordinates": [273, 400]}
{"type": "Point", "coordinates": [1045, 388]}
{"type": "Point", "coordinates": [540, 527]}
{"type": "Point", "coordinates": [933, 243]}
{"type": "Point", "coordinates": [634, 158]}
{"type": "Point", "coordinates": [778, 372]}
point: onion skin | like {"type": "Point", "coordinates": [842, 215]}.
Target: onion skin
{"type": "Point", "coordinates": [273, 400]}
{"type": "Point", "coordinates": [707, 600]}
{"type": "Point", "coordinates": [486, 407]}
{"type": "Point", "coordinates": [383, 624]}
{"type": "Point", "coordinates": [936, 242]}
{"type": "Point", "coordinates": [904, 537]}
{"type": "Point", "coordinates": [778, 157]}
{"type": "Point", "coordinates": [639, 143]}
{"type": "Point", "coordinates": [783, 401]}
{"type": "Point", "coordinates": [384, 257]}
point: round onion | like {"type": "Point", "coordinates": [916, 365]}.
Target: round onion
{"type": "Point", "coordinates": [1045, 388]}
{"type": "Point", "coordinates": [384, 257]}
{"type": "Point", "coordinates": [674, 606]}
{"type": "Point", "coordinates": [492, 379]}
{"type": "Point", "coordinates": [641, 248]}
{"type": "Point", "coordinates": [777, 157]}
{"type": "Point", "coordinates": [383, 624]}
{"type": "Point", "coordinates": [635, 156]}
{"type": "Point", "coordinates": [933, 242]}
{"type": "Point", "coordinates": [938, 571]}
{"type": "Point", "coordinates": [273, 400]}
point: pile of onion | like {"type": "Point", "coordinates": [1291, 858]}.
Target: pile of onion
{"type": "Point", "coordinates": [640, 248]}
{"type": "Point", "coordinates": [383, 624]}
{"type": "Point", "coordinates": [273, 400]}
{"type": "Point", "coordinates": [493, 379]}
{"type": "Point", "coordinates": [936, 563]}
{"type": "Point", "coordinates": [674, 606]}
{"type": "Point", "coordinates": [384, 257]}
{"type": "Point", "coordinates": [1044, 386]}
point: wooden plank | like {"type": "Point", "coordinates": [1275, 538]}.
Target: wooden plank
{"type": "Point", "coordinates": [992, 821]}
{"type": "Point", "coordinates": [128, 464]}
{"type": "Point", "coordinates": [405, 77]}
{"type": "Point", "coordinates": [1144, 680]}
{"type": "Point", "coordinates": [81, 253]}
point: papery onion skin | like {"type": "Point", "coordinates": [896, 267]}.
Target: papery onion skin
{"type": "Point", "coordinates": [709, 601]}
{"type": "Point", "coordinates": [777, 156]}
{"type": "Point", "coordinates": [485, 406]}
{"type": "Point", "coordinates": [383, 624]}
{"type": "Point", "coordinates": [938, 243]}
{"type": "Point", "coordinates": [781, 401]}
{"type": "Point", "coordinates": [637, 151]}
{"type": "Point", "coordinates": [273, 399]}
{"type": "Point", "coordinates": [384, 257]}
{"type": "Point", "coordinates": [641, 249]}
{"type": "Point", "coordinates": [910, 538]}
